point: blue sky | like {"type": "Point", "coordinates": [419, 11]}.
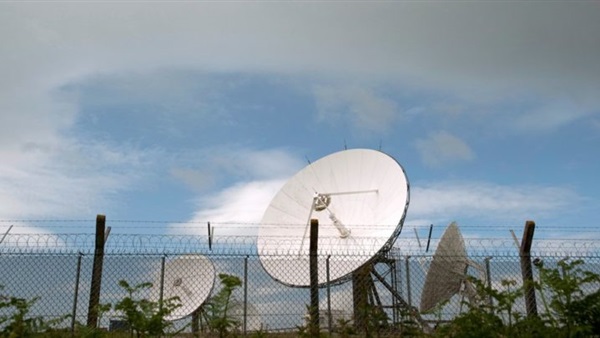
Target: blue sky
{"type": "Point", "coordinates": [199, 111]}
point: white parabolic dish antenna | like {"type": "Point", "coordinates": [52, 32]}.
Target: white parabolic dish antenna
{"type": "Point", "coordinates": [447, 271]}
{"type": "Point", "coordinates": [359, 197]}
{"type": "Point", "coordinates": [253, 318]}
{"type": "Point", "coordinates": [189, 277]}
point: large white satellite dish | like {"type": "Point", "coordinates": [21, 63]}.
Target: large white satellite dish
{"type": "Point", "coordinates": [359, 197]}
{"type": "Point", "coordinates": [447, 273]}
{"type": "Point", "coordinates": [189, 277]}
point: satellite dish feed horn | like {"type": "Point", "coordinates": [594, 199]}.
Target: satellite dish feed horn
{"type": "Point", "coordinates": [360, 198]}
{"type": "Point", "coordinates": [321, 203]}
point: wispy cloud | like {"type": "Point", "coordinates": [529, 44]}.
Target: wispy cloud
{"type": "Point", "coordinates": [442, 148]}
{"type": "Point", "coordinates": [237, 210]}
{"type": "Point", "coordinates": [446, 201]}
{"type": "Point", "coordinates": [228, 164]}
{"type": "Point", "coordinates": [257, 176]}
{"type": "Point", "coordinates": [261, 164]}
{"type": "Point", "coordinates": [533, 48]}
{"type": "Point", "coordinates": [552, 115]}
{"type": "Point", "coordinates": [67, 179]}
{"type": "Point", "coordinates": [366, 110]}
{"type": "Point", "coordinates": [196, 180]}
{"type": "Point", "coordinates": [477, 52]}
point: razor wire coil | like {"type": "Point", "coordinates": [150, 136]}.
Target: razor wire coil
{"type": "Point", "coordinates": [252, 245]}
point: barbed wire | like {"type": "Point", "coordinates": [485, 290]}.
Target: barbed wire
{"type": "Point", "coordinates": [252, 245]}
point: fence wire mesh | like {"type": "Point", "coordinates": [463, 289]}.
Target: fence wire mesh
{"type": "Point", "coordinates": [57, 270]}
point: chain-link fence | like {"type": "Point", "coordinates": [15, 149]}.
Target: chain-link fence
{"type": "Point", "coordinates": [389, 289]}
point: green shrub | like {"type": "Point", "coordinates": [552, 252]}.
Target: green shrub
{"type": "Point", "coordinates": [217, 307]}
{"type": "Point", "coordinates": [145, 317]}
{"type": "Point", "coordinates": [568, 311]}
{"type": "Point", "coordinates": [18, 323]}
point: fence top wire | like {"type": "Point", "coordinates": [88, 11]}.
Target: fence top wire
{"type": "Point", "coordinates": [247, 245]}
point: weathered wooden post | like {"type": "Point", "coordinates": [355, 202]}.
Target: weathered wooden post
{"type": "Point", "coordinates": [526, 269]}
{"type": "Point", "coordinates": [92, 319]}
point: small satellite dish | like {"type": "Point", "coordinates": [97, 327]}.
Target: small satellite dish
{"type": "Point", "coordinates": [253, 318]}
{"type": "Point", "coordinates": [359, 197]}
{"type": "Point", "coordinates": [448, 270]}
{"type": "Point", "coordinates": [189, 277]}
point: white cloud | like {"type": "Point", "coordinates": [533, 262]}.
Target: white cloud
{"type": "Point", "coordinates": [441, 148]}
{"type": "Point", "coordinates": [483, 51]}
{"type": "Point", "coordinates": [446, 201]}
{"type": "Point", "coordinates": [552, 115]}
{"type": "Point", "coordinates": [480, 51]}
{"type": "Point", "coordinates": [257, 176]}
{"type": "Point", "coordinates": [259, 164]}
{"type": "Point", "coordinates": [237, 210]}
{"type": "Point", "coordinates": [362, 106]}
{"type": "Point", "coordinates": [197, 180]}
{"type": "Point", "coordinates": [66, 179]}
{"type": "Point", "coordinates": [205, 168]}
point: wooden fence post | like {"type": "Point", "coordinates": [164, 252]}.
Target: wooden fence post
{"type": "Point", "coordinates": [92, 319]}
{"type": "Point", "coordinates": [526, 269]}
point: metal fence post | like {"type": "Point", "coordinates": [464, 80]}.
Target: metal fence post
{"type": "Point", "coordinates": [408, 288]}
{"type": "Point", "coordinates": [245, 294]}
{"type": "Point", "coordinates": [162, 280]}
{"type": "Point", "coordinates": [314, 278]}
{"type": "Point", "coordinates": [392, 264]}
{"type": "Point", "coordinates": [74, 313]}
{"type": "Point", "coordinates": [330, 327]}
{"type": "Point", "coordinates": [488, 277]}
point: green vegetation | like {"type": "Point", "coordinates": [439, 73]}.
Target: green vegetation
{"type": "Point", "coordinates": [92, 332]}
{"type": "Point", "coordinates": [18, 323]}
{"type": "Point", "coordinates": [376, 321]}
{"type": "Point", "coordinates": [145, 317]}
{"type": "Point", "coordinates": [569, 311]}
{"type": "Point", "coordinates": [216, 309]}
